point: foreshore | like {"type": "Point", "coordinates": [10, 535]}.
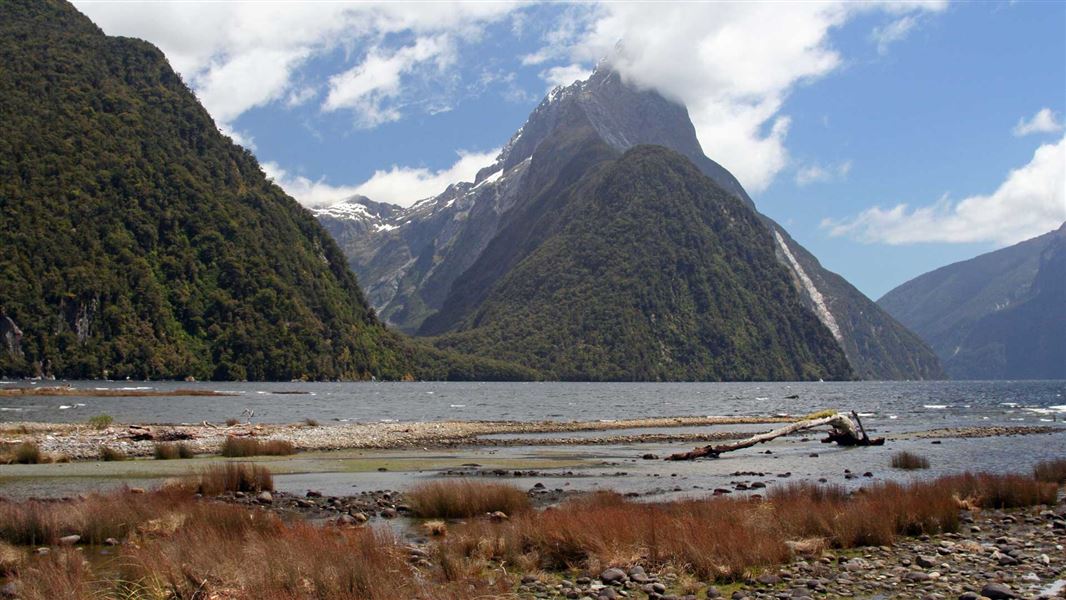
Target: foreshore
{"type": "Point", "coordinates": [83, 442]}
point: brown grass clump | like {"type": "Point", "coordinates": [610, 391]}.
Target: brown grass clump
{"type": "Point", "coordinates": [727, 538]}
{"type": "Point", "coordinates": [234, 477]}
{"type": "Point", "coordinates": [11, 558]}
{"type": "Point", "coordinates": [95, 518]}
{"type": "Point", "coordinates": [25, 453]}
{"type": "Point", "coordinates": [463, 499]}
{"type": "Point", "coordinates": [1052, 471]}
{"type": "Point", "coordinates": [108, 454]}
{"type": "Point", "coordinates": [235, 447]}
{"type": "Point", "coordinates": [230, 422]}
{"type": "Point", "coordinates": [213, 550]}
{"type": "Point", "coordinates": [172, 450]}
{"type": "Point", "coordinates": [909, 461]}
{"type": "Point", "coordinates": [999, 491]}
{"type": "Point", "coordinates": [435, 528]}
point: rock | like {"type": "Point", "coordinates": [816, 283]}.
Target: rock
{"type": "Point", "coordinates": [265, 497]}
{"type": "Point", "coordinates": [346, 520]}
{"type": "Point", "coordinates": [768, 579]}
{"type": "Point", "coordinates": [498, 516]}
{"type": "Point", "coordinates": [69, 540]}
{"type": "Point", "coordinates": [111, 542]}
{"type": "Point", "coordinates": [313, 494]}
{"type": "Point", "coordinates": [969, 596]}
{"type": "Point", "coordinates": [613, 576]}
{"type": "Point", "coordinates": [926, 562]}
{"type": "Point", "coordinates": [712, 593]}
{"type": "Point", "coordinates": [389, 513]}
{"type": "Point", "coordinates": [650, 456]}
{"type": "Point", "coordinates": [136, 490]}
{"type": "Point", "coordinates": [360, 517]}
{"type": "Point", "coordinates": [41, 551]}
{"type": "Point", "coordinates": [998, 591]}
{"type": "Point", "coordinates": [9, 590]}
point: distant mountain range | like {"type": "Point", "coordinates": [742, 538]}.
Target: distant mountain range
{"type": "Point", "coordinates": [1001, 315]}
{"type": "Point", "coordinates": [140, 242]}
{"type": "Point", "coordinates": [453, 265]}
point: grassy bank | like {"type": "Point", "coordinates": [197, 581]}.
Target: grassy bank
{"type": "Point", "coordinates": [173, 544]}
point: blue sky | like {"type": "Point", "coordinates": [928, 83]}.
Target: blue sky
{"type": "Point", "coordinates": [832, 115]}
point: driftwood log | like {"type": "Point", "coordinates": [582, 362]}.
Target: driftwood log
{"type": "Point", "coordinates": [844, 432]}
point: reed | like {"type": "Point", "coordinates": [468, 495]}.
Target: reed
{"type": "Point", "coordinates": [234, 477]}
{"type": "Point", "coordinates": [1051, 471]}
{"type": "Point", "coordinates": [909, 461]}
{"type": "Point", "coordinates": [235, 447]}
{"type": "Point", "coordinates": [460, 499]}
{"type": "Point", "coordinates": [172, 450]}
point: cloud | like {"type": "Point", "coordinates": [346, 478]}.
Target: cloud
{"type": "Point", "coordinates": [307, 191]}
{"type": "Point", "coordinates": [893, 32]}
{"type": "Point", "coordinates": [732, 64]}
{"type": "Point", "coordinates": [1043, 121]}
{"type": "Point", "coordinates": [240, 55]}
{"type": "Point", "coordinates": [398, 185]}
{"type": "Point", "coordinates": [565, 75]}
{"type": "Point", "coordinates": [407, 185]}
{"type": "Point", "coordinates": [369, 87]}
{"type": "Point", "coordinates": [816, 173]}
{"type": "Point", "coordinates": [1031, 201]}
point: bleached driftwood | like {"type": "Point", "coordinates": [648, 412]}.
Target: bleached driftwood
{"type": "Point", "coordinates": [843, 432]}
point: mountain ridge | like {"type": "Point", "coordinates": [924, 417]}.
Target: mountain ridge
{"type": "Point", "coordinates": [968, 311]}
{"type": "Point", "coordinates": [140, 242]}
{"type": "Point", "coordinates": [877, 346]}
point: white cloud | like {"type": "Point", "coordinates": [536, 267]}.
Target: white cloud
{"type": "Point", "coordinates": [1044, 121]}
{"type": "Point", "coordinates": [368, 87]}
{"type": "Point", "coordinates": [407, 185]}
{"type": "Point", "coordinates": [565, 75]}
{"type": "Point", "coordinates": [240, 55]}
{"type": "Point", "coordinates": [307, 191]}
{"type": "Point", "coordinates": [816, 173]}
{"type": "Point", "coordinates": [732, 64]}
{"type": "Point", "coordinates": [1031, 201]}
{"type": "Point", "coordinates": [398, 185]}
{"type": "Point", "coordinates": [893, 32]}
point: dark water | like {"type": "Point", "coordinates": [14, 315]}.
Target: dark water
{"type": "Point", "coordinates": [927, 404]}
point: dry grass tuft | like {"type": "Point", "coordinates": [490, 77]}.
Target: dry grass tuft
{"type": "Point", "coordinates": [11, 558]}
{"type": "Point", "coordinates": [435, 528]}
{"type": "Point", "coordinates": [25, 453]}
{"type": "Point", "coordinates": [909, 461]}
{"type": "Point", "coordinates": [172, 450]}
{"type": "Point", "coordinates": [235, 447]}
{"type": "Point", "coordinates": [234, 477]}
{"type": "Point", "coordinates": [108, 454]}
{"type": "Point", "coordinates": [1051, 471]}
{"type": "Point", "coordinates": [462, 499]}
{"type": "Point", "coordinates": [231, 422]}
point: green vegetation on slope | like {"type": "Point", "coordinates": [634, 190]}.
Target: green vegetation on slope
{"type": "Point", "coordinates": [649, 271]}
{"type": "Point", "coordinates": [138, 241]}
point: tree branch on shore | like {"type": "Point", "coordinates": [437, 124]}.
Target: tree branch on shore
{"type": "Point", "coordinates": [843, 432]}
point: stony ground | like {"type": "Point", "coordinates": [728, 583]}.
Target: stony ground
{"type": "Point", "coordinates": [997, 555]}
{"type": "Point", "coordinates": [82, 442]}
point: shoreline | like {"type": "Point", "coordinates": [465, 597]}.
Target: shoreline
{"type": "Point", "coordinates": [83, 442]}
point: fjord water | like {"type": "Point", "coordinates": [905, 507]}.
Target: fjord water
{"type": "Point", "coordinates": [903, 404]}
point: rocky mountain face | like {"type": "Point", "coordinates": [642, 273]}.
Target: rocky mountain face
{"type": "Point", "coordinates": [1001, 315]}
{"type": "Point", "coordinates": [138, 241]}
{"type": "Point", "coordinates": [427, 267]}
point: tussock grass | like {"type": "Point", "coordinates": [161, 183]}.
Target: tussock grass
{"type": "Point", "coordinates": [460, 499]}
{"type": "Point", "coordinates": [729, 538]}
{"type": "Point", "coordinates": [24, 453]}
{"type": "Point", "coordinates": [188, 549]}
{"type": "Point", "coordinates": [235, 447]}
{"type": "Point", "coordinates": [234, 477]}
{"type": "Point", "coordinates": [108, 454]}
{"type": "Point", "coordinates": [172, 450]}
{"type": "Point", "coordinates": [909, 461]}
{"type": "Point", "coordinates": [11, 558]}
{"type": "Point", "coordinates": [1052, 471]}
